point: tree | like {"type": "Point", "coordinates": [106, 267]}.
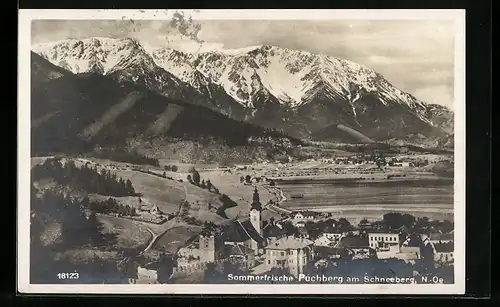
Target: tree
{"type": "Point", "coordinates": [344, 225]}
{"type": "Point", "coordinates": [173, 168]}
{"type": "Point", "coordinates": [129, 187]}
{"type": "Point", "coordinates": [140, 200]}
{"type": "Point", "coordinates": [189, 178]}
{"type": "Point", "coordinates": [290, 230]}
{"type": "Point", "coordinates": [165, 268]}
{"type": "Point", "coordinates": [133, 211]}
{"type": "Point", "coordinates": [94, 229]}
{"type": "Point", "coordinates": [422, 223]}
{"type": "Point", "coordinates": [196, 177]}
{"type": "Point", "coordinates": [408, 220]}
{"type": "Point", "coordinates": [73, 222]}
{"type": "Point", "coordinates": [248, 179]}
{"type": "Point", "coordinates": [445, 226]}
{"type": "Point", "coordinates": [393, 220]}
{"type": "Point", "coordinates": [209, 206]}
{"type": "Point", "coordinates": [203, 185]}
{"type": "Point", "coordinates": [209, 185]}
{"type": "Point", "coordinates": [211, 274]}
{"type": "Point", "coordinates": [164, 174]}
{"type": "Point", "coordinates": [242, 179]}
{"type": "Point", "coordinates": [364, 221]}
{"type": "Point", "coordinates": [313, 230]}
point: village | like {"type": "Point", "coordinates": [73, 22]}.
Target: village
{"type": "Point", "coordinates": [306, 242]}
{"type": "Point", "coordinates": [177, 227]}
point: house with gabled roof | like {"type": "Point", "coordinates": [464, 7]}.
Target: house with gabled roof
{"type": "Point", "coordinates": [444, 252]}
{"type": "Point", "coordinates": [273, 232]}
{"type": "Point", "coordinates": [437, 237]}
{"type": "Point", "coordinates": [241, 254]}
{"type": "Point", "coordinates": [290, 253]}
{"type": "Point", "coordinates": [243, 233]}
{"type": "Point", "coordinates": [357, 246]}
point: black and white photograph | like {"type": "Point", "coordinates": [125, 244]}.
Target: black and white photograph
{"type": "Point", "coordinates": [241, 151]}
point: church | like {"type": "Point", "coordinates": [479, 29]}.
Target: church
{"type": "Point", "coordinates": [247, 234]}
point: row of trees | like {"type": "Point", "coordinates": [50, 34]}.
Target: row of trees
{"type": "Point", "coordinates": [396, 220]}
{"type": "Point", "coordinates": [195, 178]}
{"type": "Point", "coordinates": [84, 178]}
{"type": "Point", "coordinates": [127, 157]}
{"type": "Point", "coordinates": [112, 206]}
{"type": "Point", "coordinates": [248, 179]}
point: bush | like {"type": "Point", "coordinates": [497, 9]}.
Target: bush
{"type": "Point", "coordinates": [171, 168]}
{"type": "Point", "coordinates": [196, 177]}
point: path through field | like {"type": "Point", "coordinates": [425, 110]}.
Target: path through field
{"type": "Point", "coordinates": [163, 228]}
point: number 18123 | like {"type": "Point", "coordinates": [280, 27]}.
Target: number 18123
{"type": "Point", "coordinates": [71, 275]}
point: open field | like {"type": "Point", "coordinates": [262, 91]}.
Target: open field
{"type": "Point", "coordinates": [128, 233]}
{"type": "Point", "coordinates": [313, 193]}
{"type": "Point", "coordinates": [175, 238]}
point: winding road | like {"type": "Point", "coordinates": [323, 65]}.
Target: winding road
{"type": "Point", "coordinates": [280, 196]}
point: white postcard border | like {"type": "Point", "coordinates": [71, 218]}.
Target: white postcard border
{"type": "Point", "coordinates": [24, 75]}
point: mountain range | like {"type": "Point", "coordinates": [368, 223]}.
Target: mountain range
{"type": "Point", "coordinates": [85, 112]}
{"type": "Point", "coordinates": [306, 95]}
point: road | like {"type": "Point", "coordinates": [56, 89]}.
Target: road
{"type": "Point", "coordinates": [175, 222]}
{"type": "Point", "coordinates": [280, 196]}
{"type": "Point", "coordinates": [182, 203]}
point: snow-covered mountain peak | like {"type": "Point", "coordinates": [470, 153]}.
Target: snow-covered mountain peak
{"type": "Point", "coordinates": [91, 54]}
{"type": "Point", "coordinates": [178, 63]}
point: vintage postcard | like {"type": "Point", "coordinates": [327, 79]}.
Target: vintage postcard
{"type": "Point", "coordinates": [241, 151]}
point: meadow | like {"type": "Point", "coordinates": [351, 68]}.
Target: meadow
{"type": "Point", "coordinates": [371, 199]}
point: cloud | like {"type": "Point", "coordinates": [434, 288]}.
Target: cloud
{"type": "Point", "coordinates": [415, 55]}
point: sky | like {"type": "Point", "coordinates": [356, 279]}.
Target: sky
{"type": "Point", "coordinates": [417, 56]}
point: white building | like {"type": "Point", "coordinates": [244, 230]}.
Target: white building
{"type": "Point", "coordinates": [384, 242]}
{"type": "Point", "coordinates": [325, 241]}
{"type": "Point", "coordinates": [290, 253]}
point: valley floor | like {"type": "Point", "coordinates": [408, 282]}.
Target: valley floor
{"type": "Point", "coordinates": [172, 194]}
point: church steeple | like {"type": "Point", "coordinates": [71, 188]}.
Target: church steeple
{"type": "Point", "coordinates": [256, 200]}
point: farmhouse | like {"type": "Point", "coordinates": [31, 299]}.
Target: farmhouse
{"type": "Point", "coordinates": [240, 254]}
{"type": "Point", "coordinates": [443, 252]}
{"type": "Point", "coordinates": [438, 237]}
{"type": "Point", "coordinates": [329, 252]}
{"type": "Point", "coordinates": [155, 210]}
{"type": "Point", "coordinates": [273, 232]}
{"type": "Point", "coordinates": [303, 216]}
{"type": "Point", "coordinates": [331, 233]}
{"type": "Point", "coordinates": [324, 241]}
{"type": "Point", "coordinates": [358, 247]}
